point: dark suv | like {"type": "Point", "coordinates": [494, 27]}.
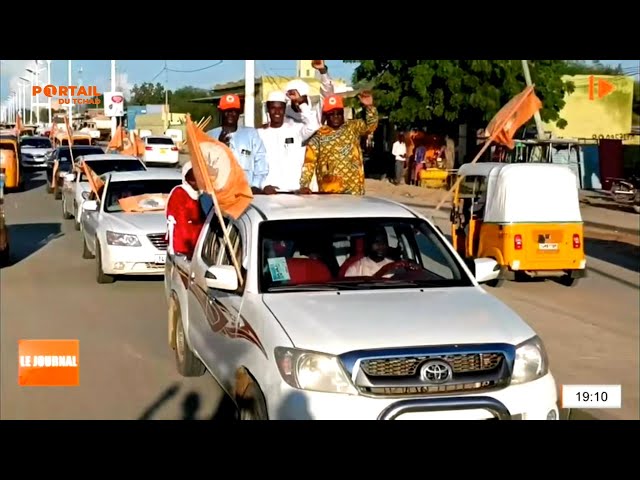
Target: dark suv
{"type": "Point", "coordinates": [63, 155]}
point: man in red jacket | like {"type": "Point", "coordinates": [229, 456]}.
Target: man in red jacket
{"type": "Point", "coordinates": [184, 215]}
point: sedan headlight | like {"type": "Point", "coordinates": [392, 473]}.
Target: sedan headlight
{"type": "Point", "coordinates": [122, 239]}
{"type": "Point", "coordinates": [313, 371]}
{"type": "Point", "coordinates": [531, 362]}
{"type": "Point", "coordinates": [85, 195]}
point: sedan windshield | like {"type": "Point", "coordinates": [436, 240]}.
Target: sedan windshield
{"type": "Point", "coordinates": [118, 165]}
{"type": "Point", "coordinates": [355, 253]}
{"type": "Point", "coordinates": [35, 143]}
{"type": "Point", "coordinates": [119, 190]}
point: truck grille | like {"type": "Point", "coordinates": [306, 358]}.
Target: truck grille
{"type": "Point", "coordinates": [158, 240]}
{"type": "Point", "coordinates": [408, 366]}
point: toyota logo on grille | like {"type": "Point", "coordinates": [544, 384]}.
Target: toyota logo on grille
{"type": "Point", "coordinates": [435, 371]}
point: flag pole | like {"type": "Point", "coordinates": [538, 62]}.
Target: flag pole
{"type": "Point", "coordinates": [486, 145]}
{"type": "Point", "coordinates": [194, 149]}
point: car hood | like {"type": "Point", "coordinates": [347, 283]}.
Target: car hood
{"type": "Point", "coordinates": [335, 324]}
{"type": "Point", "coordinates": [36, 152]}
{"type": "Point", "coordinates": [151, 222]}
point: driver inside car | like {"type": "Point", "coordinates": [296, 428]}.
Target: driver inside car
{"type": "Point", "coordinates": [377, 250]}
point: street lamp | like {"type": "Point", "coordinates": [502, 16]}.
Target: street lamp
{"type": "Point", "coordinates": [31, 81]}
{"type": "Point", "coordinates": [35, 72]}
{"type": "Point", "coordinates": [24, 97]}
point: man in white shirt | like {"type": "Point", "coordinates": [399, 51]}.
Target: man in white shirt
{"type": "Point", "coordinates": [283, 140]}
{"type": "Point", "coordinates": [326, 90]}
{"type": "Point", "coordinates": [399, 151]}
{"type": "Point", "coordinates": [377, 249]}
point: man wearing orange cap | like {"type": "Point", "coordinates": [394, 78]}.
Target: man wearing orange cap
{"type": "Point", "coordinates": [334, 152]}
{"type": "Point", "coordinates": [244, 142]}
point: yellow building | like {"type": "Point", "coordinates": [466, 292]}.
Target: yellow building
{"type": "Point", "coordinates": [600, 107]}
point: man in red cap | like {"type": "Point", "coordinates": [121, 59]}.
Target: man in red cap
{"type": "Point", "coordinates": [334, 152]}
{"type": "Point", "coordinates": [244, 142]}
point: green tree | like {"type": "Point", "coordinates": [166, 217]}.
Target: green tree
{"type": "Point", "coordinates": [147, 94]}
{"type": "Point", "coordinates": [443, 93]}
{"type": "Point", "coordinates": [180, 102]}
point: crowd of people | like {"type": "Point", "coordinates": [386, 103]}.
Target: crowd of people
{"type": "Point", "coordinates": [302, 149]}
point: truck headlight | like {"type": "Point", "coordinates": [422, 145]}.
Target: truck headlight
{"type": "Point", "coordinates": [313, 371]}
{"type": "Point", "coordinates": [531, 362]}
{"type": "Point", "coordinates": [122, 239]}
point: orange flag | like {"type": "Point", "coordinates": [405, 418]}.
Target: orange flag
{"type": "Point", "coordinates": [95, 182]}
{"type": "Point", "coordinates": [218, 172]}
{"type": "Point", "coordinates": [19, 125]}
{"type": "Point", "coordinates": [117, 141]}
{"type": "Point", "coordinates": [69, 131]}
{"type": "Point", "coordinates": [518, 111]}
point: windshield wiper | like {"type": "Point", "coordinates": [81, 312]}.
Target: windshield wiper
{"type": "Point", "coordinates": [307, 287]}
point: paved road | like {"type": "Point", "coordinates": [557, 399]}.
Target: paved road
{"type": "Point", "coordinates": [128, 371]}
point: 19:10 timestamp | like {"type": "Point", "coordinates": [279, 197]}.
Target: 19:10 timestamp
{"type": "Point", "coordinates": [591, 396]}
{"type": "Point", "coordinates": [595, 396]}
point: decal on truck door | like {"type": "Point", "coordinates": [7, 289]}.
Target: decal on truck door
{"type": "Point", "coordinates": [224, 321]}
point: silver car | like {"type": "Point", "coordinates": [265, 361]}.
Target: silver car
{"type": "Point", "coordinates": [75, 186]}
{"type": "Point", "coordinates": [127, 243]}
{"type": "Point", "coordinates": [34, 151]}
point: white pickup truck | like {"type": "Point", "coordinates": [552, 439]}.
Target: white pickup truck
{"type": "Point", "coordinates": [351, 308]}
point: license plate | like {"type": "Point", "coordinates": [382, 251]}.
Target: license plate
{"type": "Point", "coordinates": [547, 246]}
{"type": "Point", "coordinates": [163, 150]}
{"type": "Point", "coordinates": [162, 258]}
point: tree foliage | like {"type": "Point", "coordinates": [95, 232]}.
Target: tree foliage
{"type": "Point", "coordinates": [179, 100]}
{"type": "Point", "coordinates": [447, 92]}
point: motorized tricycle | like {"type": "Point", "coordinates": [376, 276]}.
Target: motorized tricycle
{"type": "Point", "coordinates": [526, 216]}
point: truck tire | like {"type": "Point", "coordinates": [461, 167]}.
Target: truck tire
{"type": "Point", "coordinates": [252, 404]}
{"type": "Point", "coordinates": [187, 363]}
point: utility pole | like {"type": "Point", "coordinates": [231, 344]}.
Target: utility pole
{"type": "Point", "coordinates": [249, 92]}
{"type": "Point", "coordinates": [114, 120]}
{"type": "Point", "coordinates": [49, 83]}
{"type": "Point", "coordinates": [166, 94]}
{"type": "Point", "coordinates": [536, 116]}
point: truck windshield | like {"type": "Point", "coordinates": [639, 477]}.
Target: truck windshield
{"type": "Point", "coordinates": [355, 253]}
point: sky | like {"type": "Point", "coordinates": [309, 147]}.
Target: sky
{"type": "Point", "coordinates": [197, 73]}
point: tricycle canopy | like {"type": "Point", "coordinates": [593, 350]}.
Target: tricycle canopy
{"type": "Point", "coordinates": [526, 192]}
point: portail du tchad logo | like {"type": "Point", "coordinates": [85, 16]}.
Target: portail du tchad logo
{"type": "Point", "coordinates": [67, 92]}
{"type": "Point", "coordinates": [48, 363]}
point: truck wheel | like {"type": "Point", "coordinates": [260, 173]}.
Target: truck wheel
{"type": "Point", "coordinates": [188, 364]}
{"type": "Point", "coordinates": [101, 277]}
{"type": "Point", "coordinates": [252, 404]}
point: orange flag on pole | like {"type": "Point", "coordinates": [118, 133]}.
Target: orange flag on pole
{"type": "Point", "coordinates": [95, 182]}
{"type": "Point", "coordinates": [504, 125]}
{"type": "Point", "coordinates": [69, 131]}
{"type": "Point", "coordinates": [19, 125]}
{"type": "Point", "coordinates": [218, 172]}
{"type": "Point", "coordinates": [518, 111]}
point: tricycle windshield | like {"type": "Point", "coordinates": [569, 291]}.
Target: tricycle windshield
{"type": "Point", "coordinates": [355, 254]}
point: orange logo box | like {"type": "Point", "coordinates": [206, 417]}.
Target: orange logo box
{"type": "Point", "coordinates": [49, 363]}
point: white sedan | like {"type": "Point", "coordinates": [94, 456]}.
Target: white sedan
{"type": "Point", "coordinates": [160, 150]}
{"type": "Point", "coordinates": [122, 242]}
{"type": "Point", "coordinates": [76, 189]}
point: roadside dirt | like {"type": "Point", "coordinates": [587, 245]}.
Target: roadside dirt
{"type": "Point", "coordinates": [428, 198]}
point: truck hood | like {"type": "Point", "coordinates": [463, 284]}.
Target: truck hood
{"type": "Point", "coordinates": [335, 324]}
{"type": "Point", "coordinates": [151, 222]}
